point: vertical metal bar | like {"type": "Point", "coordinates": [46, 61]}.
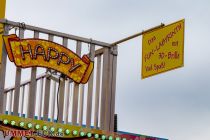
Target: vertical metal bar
{"type": "Point", "coordinates": [23, 98]}
{"type": "Point", "coordinates": [98, 84]}
{"type": "Point", "coordinates": [104, 87]}
{"type": "Point", "coordinates": [32, 88]}
{"type": "Point", "coordinates": [76, 91]}
{"type": "Point", "coordinates": [17, 81]}
{"type": "Point", "coordinates": [53, 101]}
{"type": "Point", "coordinates": [90, 89]}
{"type": "Point", "coordinates": [81, 105]}
{"type": "Point", "coordinates": [67, 105]}
{"type": "Point", "coordinates": [47, 92]}
{"type": "Point", "coordinates": [61, 91]}
{"type": "Point", "coordinates": [3, 71]}
{"type": "Point", "coordinates": [41, 98]}
{"type": "Point", "coordinates": [113, 88]}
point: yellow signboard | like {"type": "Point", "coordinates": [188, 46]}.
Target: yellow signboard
{"type": "Point", "coordinates": [163, 49]}
{"type": "Point", "coordinates": [43, 53]}
{"type": "Point", "coordinates": [2, 15]}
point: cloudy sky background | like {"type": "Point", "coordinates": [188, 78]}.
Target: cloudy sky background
{"type": "Point", "coordinates": [174, 105]}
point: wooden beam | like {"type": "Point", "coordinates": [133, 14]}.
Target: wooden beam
{"type": "Point", "coordinates": [55, 33]}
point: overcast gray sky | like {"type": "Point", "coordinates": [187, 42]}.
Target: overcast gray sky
{"type": "Point", "coordinates": [174, 105]}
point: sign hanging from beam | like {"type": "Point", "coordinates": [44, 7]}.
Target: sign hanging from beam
{"type": "Point", "coordinates": [2, 15]}
{"type": "Point", "coordinates": [163, 49]}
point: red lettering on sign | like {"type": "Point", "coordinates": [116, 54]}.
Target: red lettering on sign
{"type": "Point", "coordinates": [173, 55]}
{"type": "Point", "coordinates": [158, 67]}
{"type": "Point", "coordinates": [150, 41]}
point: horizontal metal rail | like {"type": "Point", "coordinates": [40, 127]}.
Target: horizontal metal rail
{"type": "Point", "coordinates": [137, 34]}
{"type": "Point", "coordinates": [55, 33]}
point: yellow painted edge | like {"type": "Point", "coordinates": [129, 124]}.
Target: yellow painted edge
{"type": "Point", "coordinates": [88, 73]}
{"type": "Point", "coordinates": [56, 126]}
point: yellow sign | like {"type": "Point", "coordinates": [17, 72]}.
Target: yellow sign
{"type": "Point", "coordinates": [43, 53]}
{"type": "Point", "coordinates": [2, 15]}
{"type": "Point", "coordinates": [163, 49]}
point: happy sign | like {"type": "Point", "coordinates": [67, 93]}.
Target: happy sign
{"type": "Point", "coordinates": [43, 53]}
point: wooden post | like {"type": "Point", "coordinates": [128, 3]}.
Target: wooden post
{"type": "Point", "coordinates": [2, 15]}
{"type": "Point", "coordinates": [23, 98]}
{"type": "Point", "coordinates": [32, 88]}
{"type": "Point", "coordinates": [90, 90]}
{"type": "Point", "coordinates": [104, 87]}
{"type": "Point", "coordinates": [61, 91]}
{"type": "Point", "coordinates": [3, 71]}
{"type": "Point", "coordinates": [53, 102]}
{"type": "Point", "coordinates": [108, 89]}
{"type": "Point", "coordinates": [81, 105]}
{"type": "Point", "coordinates": [108, 93]}
{"type": "Point", "coordinates": [98, 85]}
{"type": "Point", "coordinates": [10, 102]}
{"type": "Point", "coordinates": [41, 98]}
{"type": "Point", "coordinates": [17, 82]}
{"type": "Point", "coordinates": [113, 87]}
{"type": "Point", "coordinates": [5, 101]}
{"type": "Point", "coordinates": [76, 91]}
{"type": "Point", "coordinates": [67, 103]}
{"type": "Point", "coordinates": [61, 101]}
{"type": "Point", "coordinates": [47, 92]}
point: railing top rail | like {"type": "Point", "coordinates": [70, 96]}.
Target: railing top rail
{"type": "Point", "coordinates": [26, 82]}
{"type": "Point", "coordinates": [56, 33]}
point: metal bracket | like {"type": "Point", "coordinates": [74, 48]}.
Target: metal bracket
{"type": "Point", "coordinates": [114, 51]}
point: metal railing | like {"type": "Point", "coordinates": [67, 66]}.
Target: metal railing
{"type": "Point", "coordinates": [92, 104]}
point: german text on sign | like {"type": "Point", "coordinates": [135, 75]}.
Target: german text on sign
{"type": "Point", "coordinates": [163, 49]}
